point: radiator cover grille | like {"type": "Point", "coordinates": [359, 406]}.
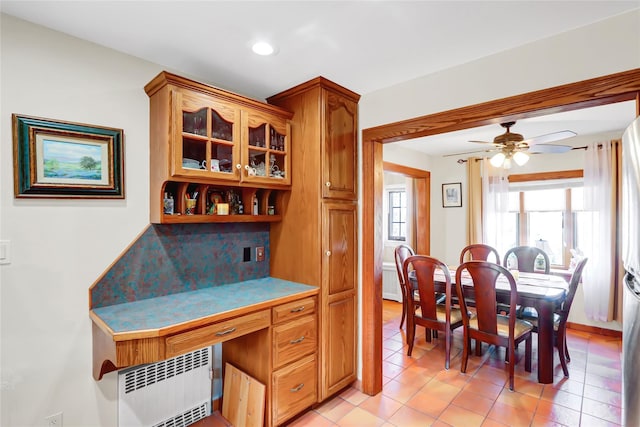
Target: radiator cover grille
{"type": "Point", "coordinates": [172, 393]}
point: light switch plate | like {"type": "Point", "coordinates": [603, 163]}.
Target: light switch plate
{"type": "Point", "coordinates": [5, 252]}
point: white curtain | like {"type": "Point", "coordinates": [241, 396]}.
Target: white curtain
{"type": "Point", "coordinates": [495, 205]}
{"type": "Point", "coordinates": [598, 189]}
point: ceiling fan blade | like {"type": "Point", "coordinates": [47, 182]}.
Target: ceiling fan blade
{"type": "Point", "coordinates": [481, 142]}
{"type": "Point", "coordinates": [550, 137]}
{"type": "Point", "coordinates": [549, 149]}
{"type": "Point", "coordinates": [467, 152]}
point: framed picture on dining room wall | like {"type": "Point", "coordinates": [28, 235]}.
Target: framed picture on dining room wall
{"type": "Point", "coordinates": [452, 195]}
{"type": "Point", "coordinates": [57, 159]}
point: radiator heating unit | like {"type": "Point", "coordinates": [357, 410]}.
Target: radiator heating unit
{"type": "Point", "coordinates": [390, 285]}
{"type": "Point", "coordinates": [172, 393]}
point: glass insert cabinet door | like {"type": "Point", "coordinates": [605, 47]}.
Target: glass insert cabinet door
{"type": "Point", "coordinates": [208, 139]}
{"type": "Point", "coordinates": [266, 153]}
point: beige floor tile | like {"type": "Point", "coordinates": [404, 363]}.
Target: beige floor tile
{"type": "Point", "coordinates": [358, 418]}
{"type": "Point", "coordinates": [457, 416]}
{"type": "Point", "coordinates": [409, 417]}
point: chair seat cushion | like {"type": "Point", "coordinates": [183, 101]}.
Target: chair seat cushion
{"type": "Point", "coordinates": [531, 316]}
{"type": "Point", "coordinates": [456, 314]}
{"type": "Point", "coordinates": [521, 328]}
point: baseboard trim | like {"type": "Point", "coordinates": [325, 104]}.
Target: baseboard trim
{"type": "Point", "coordinates": [594, 330]}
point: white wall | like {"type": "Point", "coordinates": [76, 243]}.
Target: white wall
{"type": "Point", "coordinates": [607, 47]}
{"type": "Point", "coordinates": [60, 247]}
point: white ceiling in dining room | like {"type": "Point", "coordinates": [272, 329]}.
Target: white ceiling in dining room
{"type": "Point", "coordinates": [362, 45]}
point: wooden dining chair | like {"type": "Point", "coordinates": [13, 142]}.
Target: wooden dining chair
{"type": "Point", "coordinates": [526, 257]}
{"type": "Point", "coordinates": [432, 314]}
{"type": "Point", "coordinates": [479, 252]}
{"type": "Point", "coordinates": [487, 325]}
{"type": "Point", "coordinates": [401, 253]}
{"type": "Point", "coordinates": [560, 317]}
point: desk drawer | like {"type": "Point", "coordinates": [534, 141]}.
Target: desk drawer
{"type": "Point", "coordinates": [218, 332]}
{"type": "Point", "coordinates": [294, 339]}
{"type": "Point", "coordinates": [294, 309]}
{"type": "Point", "coordinates": [294, 389]}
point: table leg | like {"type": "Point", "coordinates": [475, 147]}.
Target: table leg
{"type": "Point", "coordinates": [545, 342]}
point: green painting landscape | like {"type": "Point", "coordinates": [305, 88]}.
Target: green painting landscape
{"type": "Point", "coordinates": [71, 160]}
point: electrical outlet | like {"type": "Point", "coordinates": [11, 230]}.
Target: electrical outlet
{"type": "Point", "coordinates": [260, 253]}
{"type": "Point", "coordinates": [54, 420]}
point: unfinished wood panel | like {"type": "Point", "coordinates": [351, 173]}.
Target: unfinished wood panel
{"type": "Point", "coordinates": [243, 399]}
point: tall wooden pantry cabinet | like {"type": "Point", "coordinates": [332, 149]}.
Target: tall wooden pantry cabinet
{"type": "Point", "coordinates": [317, 240]}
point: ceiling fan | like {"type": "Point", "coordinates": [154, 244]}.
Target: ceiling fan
{"type": "Point", "coordinates": [510, 145]}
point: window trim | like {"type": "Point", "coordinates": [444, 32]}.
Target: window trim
{"type": "Point", "coordinates": [388, 191]}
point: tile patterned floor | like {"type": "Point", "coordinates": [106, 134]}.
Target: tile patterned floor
{"type": "Point", "coordinates": [418, 391]}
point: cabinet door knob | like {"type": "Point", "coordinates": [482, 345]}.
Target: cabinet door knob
{"type": "Point", "coordinates": [328, 253]}
{"type": "Point", "coordinates": [238, 166]}
{"type": "Point", "coordinates": [327, 184]}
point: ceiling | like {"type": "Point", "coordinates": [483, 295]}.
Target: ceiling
{"type": "Point", "coordinates": [362, 45]}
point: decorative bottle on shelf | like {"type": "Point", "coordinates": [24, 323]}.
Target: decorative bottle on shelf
{"type": "Point", "coordinates": [168, 204]}
{"type": "Point", "coordinates": [255, 204]}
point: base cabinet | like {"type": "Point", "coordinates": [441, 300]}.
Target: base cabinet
{"type": "Point", "coordinates": [340, 350]}
{"type": "Point", "coordinates": [283, 357]}
{"type": "Point", "coordinates": [294, 389]}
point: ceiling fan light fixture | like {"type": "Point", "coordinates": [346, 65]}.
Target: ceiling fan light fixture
{"type": "Point", "coordinates": [497, 160]}
{"type": "Point", "coordinates": [520, 158]}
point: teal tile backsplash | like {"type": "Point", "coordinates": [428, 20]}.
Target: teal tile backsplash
{"type": "Point", "coordinates": [167, 259]}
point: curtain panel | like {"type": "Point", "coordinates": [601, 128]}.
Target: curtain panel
{"type": "Point", "coordinates": [602, 189]}
{"type": "Point", "coordinates": [474, 205]}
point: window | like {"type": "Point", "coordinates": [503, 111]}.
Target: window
{"type": "Point", "coordinates": [397, 229]}
{"type": "Point", "coordinates": [546, 213]}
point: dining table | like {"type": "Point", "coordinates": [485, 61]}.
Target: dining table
{"type": "Point", "coordinates": [544, 292]}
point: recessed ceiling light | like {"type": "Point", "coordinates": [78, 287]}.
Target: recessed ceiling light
{"type": "Point", "coordinates": [262, 48]}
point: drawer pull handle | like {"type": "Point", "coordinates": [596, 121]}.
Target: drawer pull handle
{"type": "Point", "coordinates": [225, 332]}
{"type": "Point", "coordinates": [297, 388]}
{"type": "Point", "coordinates": [299, 340]}
{"type": "Point", "coordinates": [297, 309]}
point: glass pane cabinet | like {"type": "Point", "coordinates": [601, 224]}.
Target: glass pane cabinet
{"type": "Point", "coordinates": [207, 138]}
{"type": "Point", "coordinates": [216, 147]}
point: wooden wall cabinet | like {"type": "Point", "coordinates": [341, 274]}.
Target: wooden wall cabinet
{"type": "Point", "coordinates": [204, 135]}
{"type": "Point", "coordinates": [317, 242]}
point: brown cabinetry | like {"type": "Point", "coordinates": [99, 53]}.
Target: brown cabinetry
{"type": "Point", "coordinates": [215, 146]}
{"type": "Point", "coordinates": [317, 242]}
{"type": "Point", "coordinates": [283, 357]}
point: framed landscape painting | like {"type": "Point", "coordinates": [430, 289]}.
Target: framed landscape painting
{"type": "Point", "coordinates": [57, 159]}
